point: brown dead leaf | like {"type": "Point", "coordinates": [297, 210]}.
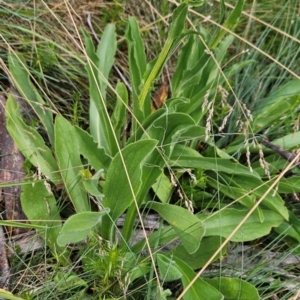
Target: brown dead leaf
{"type": "Point", "coordinates": [160, 96]}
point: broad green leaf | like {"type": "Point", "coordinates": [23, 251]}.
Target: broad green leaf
{"type": "Point", "coordinates": [167, 269]}
{"type": "Point", "coordinates": [237, 67]}
{"type": "Point", "coordinates": [187, 226]}
{"type": "Point", "coordinates": [78, 227]}
{"type": "Point", "coordinates": [289, 89]}
{"type": "Point", "coordinates": [220, 52]}
{"type": "Point", "coordinates": [163, 294]}
{"type": "Point", "coordinates": [208, 247]}
{"type": "Point", "coordinates": [30, 143]}
{"type": "Point", "coordinates": [223, 222]}
{"type": "Point", "coordinates": [173, 104]}
{"type": "Point", "coordinates": [234, 288]}
{"type": "Point", "coordinates": [130, 162]}
{"type": "Point", "coordinates": [196, 74]}
{"type": "Point", "coordinates": [190, 134]}
{"type": "Point", "coordinates": [162, 237]}
{"type": "Point", "coordinates": [137, 67]}
{"type": "Point", "coordinates": [289, 185]}
{"type": "Point", "coordinates": [152, 169]}
{"type": "Point", "coordinates": [163, 188]}
{"type": "Point", "coordinates": [188, 158]}
{"type": "Point", "coordinates": [273, 201]}
{"type": "Point", "coordinates": [200, 290]}
{"type": "Point", "coordinates": [39, 206]}
{"type": "Point", "coordinates": [199, 92]}
{"type": "Point", "coordinates": [8, 295]}
{"type": "Point", "coordinates": [123, 179]}
{"type": "Point", "coordinates": [274, 160]}
{"type": "Point", "coordinates": [137, 52]}
{"type": "Point", "coordinates": [221, 153]}
{"type": "Point", "coordinates": [176, 28]}
{"type": "Point", "coordinates": [290, 228]}
{"type": "Point", "coordinates": [101, 127]}
{"type": "Point", "coordinates": [188, 73]}
{"type": "Point", "coordinates": [288, 142]}
{"type": "Point", "coordinates": [236, 194]}
{"type": "Point", "coordinates": [275, 163]}
{"type": "Point", "coordinates": [68, 159]}
{"type": "Point", "coordinates": [29, 93]}
{"type": "Point", "coordinates": [194, 80]}
{"type": "Point", "coordinates": [97, 157]}
{"type": "Point", "coordinates": [274, 112]}
{"type": "Point", "coordinates": [145, 125]}
{"type": "Point", "coordinates": [201, 77]}
{"type": "Point", "coordinates": [289, 231]}
{"type": "Point", "coordinates": [168, 129]}
{"type": "Point", "coordinates": [188, 57]}
{"type": "Point", "coordinates": [119, 115]}
{"type": "Point", "coordinates": [230, 23]}
{"type": "Point", "coordinates": [222, 12]}
{"type": "Point", "coordinates": [105, 52]}
{"type": "Point", "coordinates": [258, 188]}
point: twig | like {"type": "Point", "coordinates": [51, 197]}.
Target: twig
{"type": "Point", "coordinates": [289, 156]}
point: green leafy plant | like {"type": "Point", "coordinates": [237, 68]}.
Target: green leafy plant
{"type": "Point", "coordinates": [158, 168]}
